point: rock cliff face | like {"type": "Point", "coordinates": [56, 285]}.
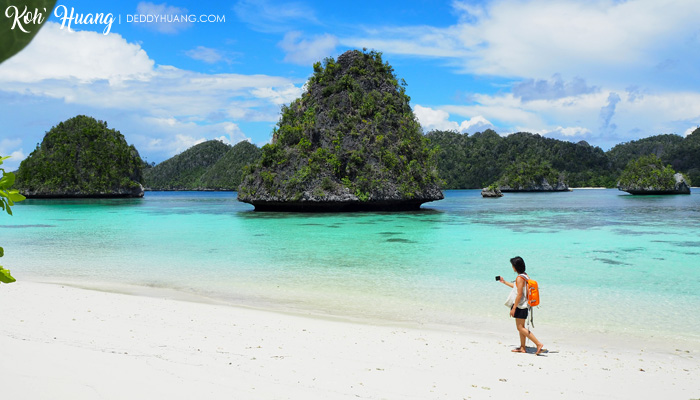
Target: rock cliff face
{"type": "Point", "coordinates": [350, 142]}
{"type": "Point", "coordinates": [491, 192]}
{"type": "Point", "coordinates": [81, 157]}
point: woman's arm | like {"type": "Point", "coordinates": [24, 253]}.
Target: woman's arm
{"type": "Point", "coordinates": [509, 284]}
{"type": "Point", "coordinates": [519, 282]}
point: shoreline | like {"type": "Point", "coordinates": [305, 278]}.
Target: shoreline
{"type": "Point", "coordinates": [68, 342]}
{"type": "Point", "coordinates": [472, 324]}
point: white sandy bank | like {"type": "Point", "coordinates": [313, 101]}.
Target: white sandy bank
{"type": "Point", "coordinates": [67, 343]}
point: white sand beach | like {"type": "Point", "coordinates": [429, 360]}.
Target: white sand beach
{"type": "Point", "coordinates": [61, 342]}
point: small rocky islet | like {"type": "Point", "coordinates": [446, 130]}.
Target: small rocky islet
{"type": "Point", "coordinates": [350, 142]}
{"type": "Point", "coordinates": [648, 175]}
{"type": "Point", "coordinates": [81, 158]}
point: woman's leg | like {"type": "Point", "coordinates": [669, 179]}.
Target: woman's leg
{"type": "Point", "coordinates": [525, 333]}
{"type": "Point", "coordinates": [520, 349]}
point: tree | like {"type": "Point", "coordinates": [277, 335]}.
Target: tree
{"type": "Point", "coordinates": [647, 173]}
{"type": "Point", "coordinates": [8, 198]}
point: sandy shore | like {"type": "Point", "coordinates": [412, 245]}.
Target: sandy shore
{"type": "Point", "coordinates": [60, 342]}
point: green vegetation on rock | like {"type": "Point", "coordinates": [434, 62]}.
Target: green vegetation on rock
{"type": "Point", "coordinates": [532, 176]}
{"type": "Point", "coordinates": [81, 157]}
{"type": "Point", "coordinates": [185, 170]}
{"type": "Point", "coordinates": [350, 141]}
{"type": "Point", "coordinates": [227, 173]}
{"type": "Point", "coordinates": [648, 174]}
{"type": "Point", "coordinates": [475, 161]}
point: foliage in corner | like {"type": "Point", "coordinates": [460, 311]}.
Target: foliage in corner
{"type": "Point", "coordinates": [8, 198]}
{"type": "Point", "coordinates": [20, 21]}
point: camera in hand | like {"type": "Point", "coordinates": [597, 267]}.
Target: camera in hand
{"type": "Point", "coordinates": [498, 278]}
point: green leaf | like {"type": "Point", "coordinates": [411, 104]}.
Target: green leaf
{"type": "Point", "coordinates": [5, 276]}
{"type": "Point", "coordinates": [8, 179]}
{"type": "Point", "coordinates": [2, 252]}
{"type": "Point", "coordinates": [25, 19]}
{"type": "Point", "coordinates": [15, 196]}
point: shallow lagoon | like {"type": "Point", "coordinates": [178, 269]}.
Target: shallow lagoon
{"type": "Point", "coordinates": [605, 261]}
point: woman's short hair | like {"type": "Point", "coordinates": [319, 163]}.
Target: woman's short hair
{"type": "Point", "coordinates": [519, 264]}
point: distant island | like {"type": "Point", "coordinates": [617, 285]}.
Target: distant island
{"type": "Point", "coordinates": [531, 177]}
{"type": "Point", "coordinates": [81, 157]}
{"type": "Point", "coordinates": [482, 159]}
{"type": "Point", "coordinates": [648, 175]}
{"type": "Point", "coordinates": [350, 142]}
{"type": "Point", "coordinates": [211, 165]}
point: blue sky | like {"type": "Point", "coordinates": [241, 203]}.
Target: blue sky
{"type": "Point", "coordinates": [600, 70]}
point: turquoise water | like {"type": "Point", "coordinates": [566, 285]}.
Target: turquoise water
{"type": "Point", "coordinates": [605, 261]}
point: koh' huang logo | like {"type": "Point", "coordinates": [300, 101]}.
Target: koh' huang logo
{"type": "Point", "coordinates": [24, 18]}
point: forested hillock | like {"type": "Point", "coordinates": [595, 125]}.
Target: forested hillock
{"type": "Point", "coordinates": [185, 170]}
{"type": "Point", "coordinates": [81, 157]}
{"type": "Point", "coordinates": [227, 173]}
{"type": "Point", "coordinates": [683, 154]}
{"type": "Point", "coordinates": [478, 160]}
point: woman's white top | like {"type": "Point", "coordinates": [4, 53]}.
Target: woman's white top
{"type": "Point", "coordinates": [514, 292]}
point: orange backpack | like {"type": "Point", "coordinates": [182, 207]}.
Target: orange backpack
{"type": "Point", "coordinates": [533, 293]}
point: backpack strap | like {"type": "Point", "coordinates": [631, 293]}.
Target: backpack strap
{"type": "Point", "coordinates": [530, 309]}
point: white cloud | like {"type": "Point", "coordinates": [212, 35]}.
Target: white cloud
{"type": "Point", "coordinates": [206, 54]}
{"type": "Point", "coordinates": [551, 89]}
{"type": "Point", "coordinates": [83, 56]}
{"type": "Point", "coordinates": [279, 96]}
{"type": "Point", "coordinates": [163, 10]}
{"type": "Point", "coordinates": [11, 148]}
{"type": "Point", "coordinates": [307, 51]}
{"type": "Point", "coordinates": [170, 136]}
{"type": "Point", "coordinates": [432, 119]}
{"type": "Point", "coordinates": [691, 130]}
{"type": "Point", "coordinates": [602, 40]}
{"type": "Point", "coordinates": [475, 124]}
{"type": "Point", "coordinates": [163, 109]}
{"type": "Point", "coordinates": [54, 64]}
{"type": "Point", "coordinates": [569, 132]}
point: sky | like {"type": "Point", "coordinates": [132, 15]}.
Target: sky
{"type": "Point", "coordinates": [171, 75]}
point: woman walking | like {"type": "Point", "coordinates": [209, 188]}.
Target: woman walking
{"type": "Point", "coordinates": [519, 307]}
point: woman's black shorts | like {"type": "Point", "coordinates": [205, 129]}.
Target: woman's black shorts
{"type": "Point", "coordinates": [520, 313]}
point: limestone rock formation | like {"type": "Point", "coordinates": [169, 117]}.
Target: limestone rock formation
{"type": "Point", "coordinates": [649, 175]}
{"type": "Point", "coordinates": [81, 157]}
{"type": "Point", "coordinates": [491, 192]}
{"type": "Point", "coordinates": [350, 142]}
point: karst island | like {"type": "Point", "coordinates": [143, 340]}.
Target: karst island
{"type": "Point", "coordinates": [350, 143]}
{"type": "Point", "coordinates": [81, 158]}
